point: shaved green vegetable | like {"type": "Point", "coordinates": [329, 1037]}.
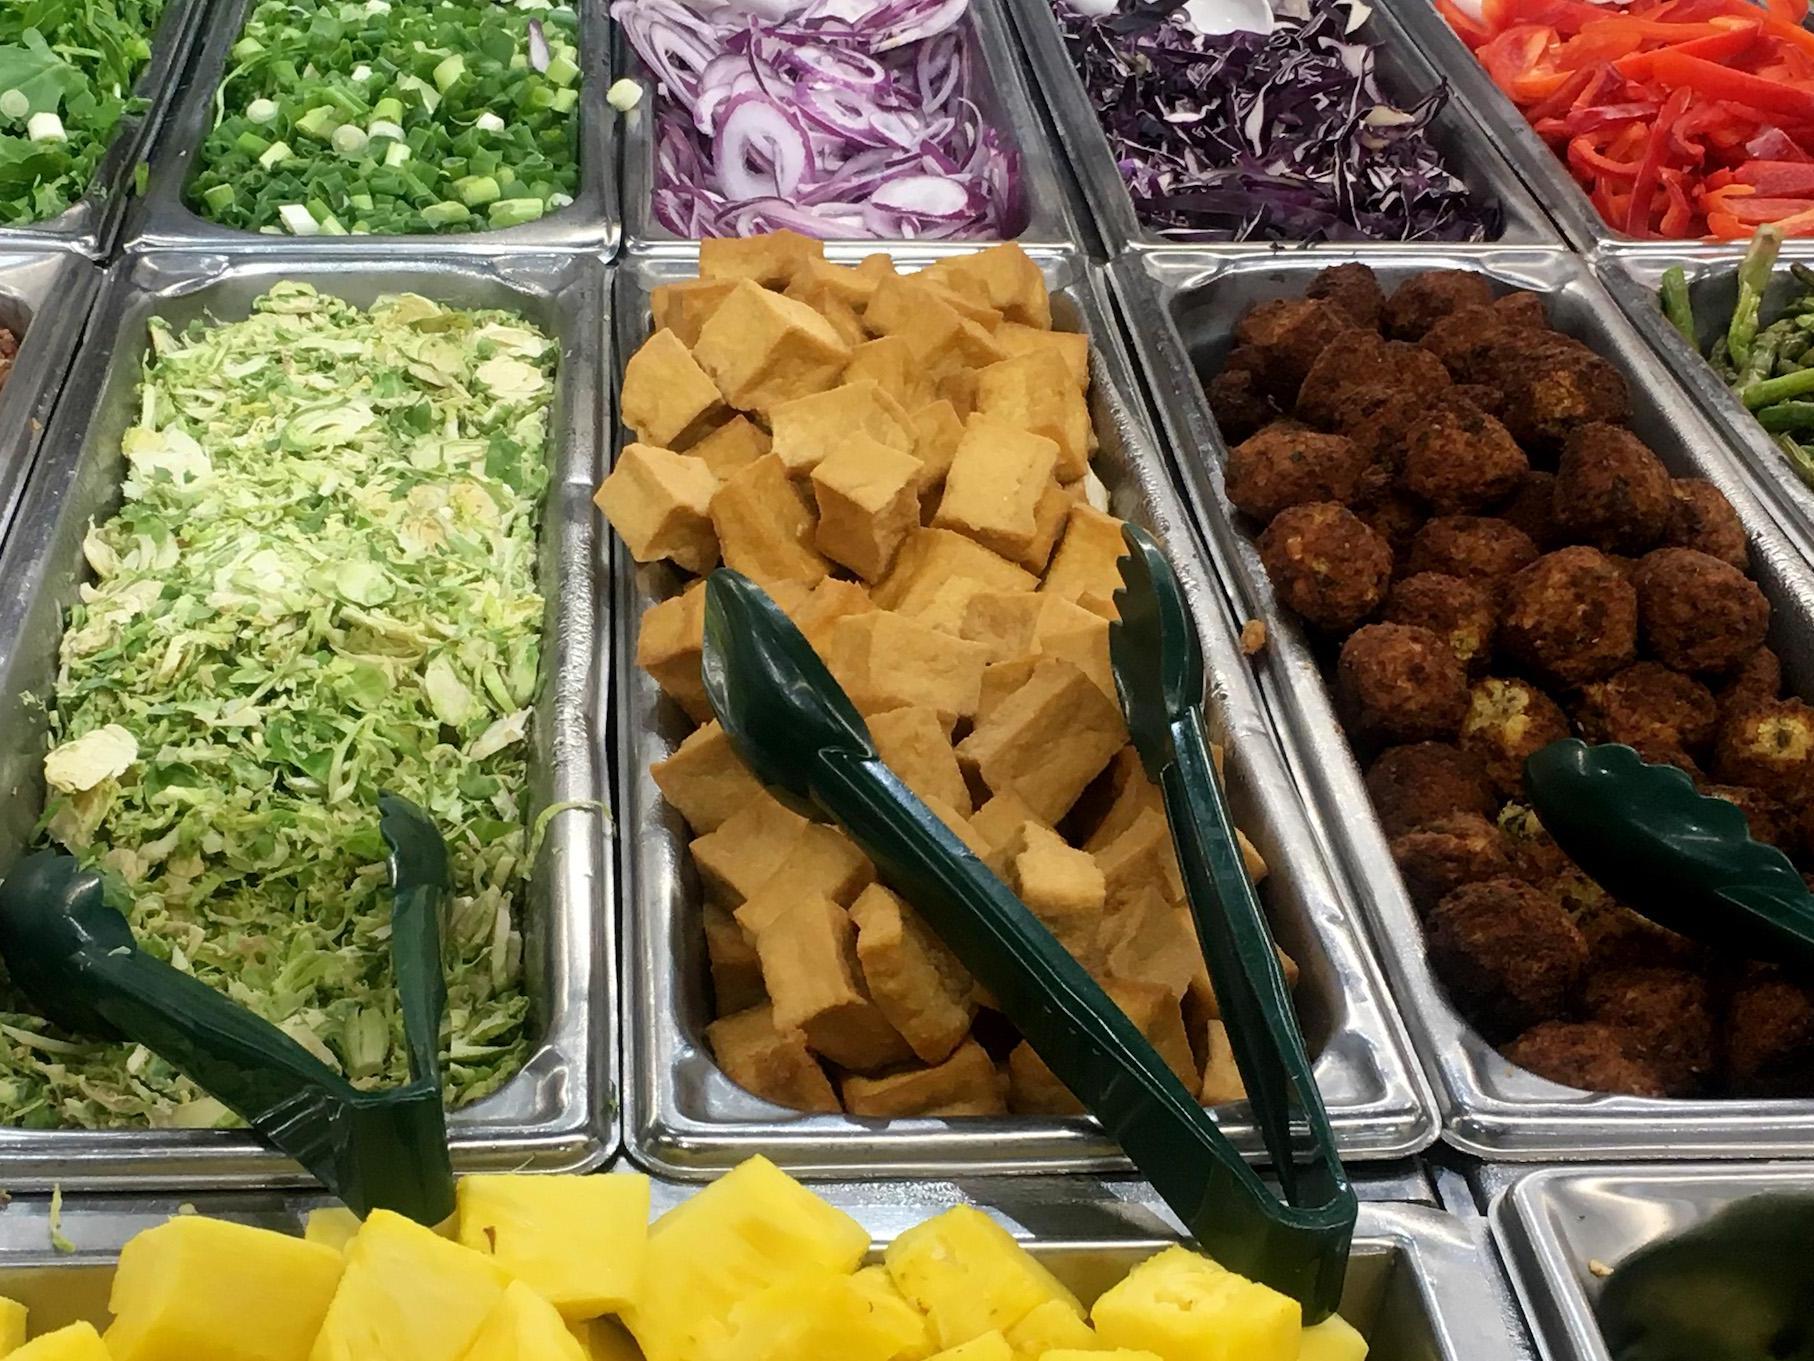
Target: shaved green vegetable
{"type": "Point", "coordinates": [321, 584]}
{"type": "Point", "coordinates": [343, 117]}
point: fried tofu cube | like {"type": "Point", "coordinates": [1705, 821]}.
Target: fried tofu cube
{"type": "Point", "coordinates": [659, 502]}
{"type": "Point", "coordinates": [769, 1062]}
{"type": "Point", "coordinates": [992, 492]}
{"type": "Point", "coordinates": [736, 444]}
{"type": "Point", "coordinates": [1048, 524]}
{"type": "Point", "coordinates": [1180, 1304]}
{"type": "Point", "coordinates": [1221, 1083]}
{"type": "Point", "coordinates": [1001, 821]}
{"type": "Point", "coordinates": [773, 259]}
{"type": "Point", "coordinates": [823, 862]}
{"type": "Point", "coordinates": [1154, 942]}
{"type": "Point", "coordinates": [937, 431]}
{"type": "Point", "coordinates": [668, 647]}
{"type": "Point", "coordinates": [705, 780]}
{"type": "Point", "coordinates": [1124, 793]}
{"type": "Point", "coordinates": [1034, 1089]}
{"type": "Point", "coordinates": [1047, 740]}
{"type": "Point", "coordinates": [1006, 277]}
{"type": "Point", "coordinates": [889, 363]}
{"type": "Point", "coordinates": [1061, 886]}
{"type": "Point", "coordinates": [762, 349]}
{"type": "Point", "coordinates": [958, 386]}
{"type": "Point", "coordinates": [1071, 346]}
{"type": "Point", "coordinates": [853, 285]}
{"type": "Point", "coordinates": [1139, 859]}
{"type": "Point", "coordinates": [764, 528]}
{"type": "Point", "coordinates": [921, 987]}
{"type": "Point", "coordinates": [809, 429]}
{"type": "Point", "coordinates": [831, 600]}
{"type": "Point", "coordinates": [1003, 680]}
{"type": "Point", "coordinates": [809, 964]}
{"type": "Point", "coordinates": [1022, 624]}
{"type": "Point", "coordinates": [964, 1084]}
{"type": "Point", "coordinates": [682, 307]}
{"type": "Point", "coordinates": [943, 338]}
{"type": "Point", "coordinates": [667, 398]}
{"type": "Point", "coordinates": [1155, 1012]}
{"type": "Point", "coordinates": [888, 661]}
{"type": "Point", "coordinates": [731, 954]}
{"type": "Point", "coordinates": [736, 858]}
{"type": "Point", "coordinates": [1034, 392]}
{"type": "Point", "coordinates": [1087, 569]}
{"type": "Point", "coordinates": [868, 497]}
{"type": "Point", "coordinates": [936, 573]}
{"type": "Point", "coordinates": [960, 827]}
{"type": "Point", "coordinates": [915, 743]}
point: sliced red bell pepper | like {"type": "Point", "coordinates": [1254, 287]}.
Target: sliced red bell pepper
{"type": "Point", "coordinates": [1722, 45]}
{"type": "Point", "coordinates": [1789, 11]}
{"type": "Point", "coordinates": [1758, 209]}
{"type": "Point", "coordinates": [1741, 87]}
{"type": "Point", "coordinates": [1783, 179]}
{"type": "Point", "coordinates": [1643, 191]}
{"type": "Point", "coordinates": [1678, 214]}
{"type": "Point", "coordinates": [1565, 16]}
{"type": "Point", "coordinates": [1518, 62]}
{"type": "Point", "coordinates": [1562, 96]}
{"type": "Point", "coordinates": [1473, 32]}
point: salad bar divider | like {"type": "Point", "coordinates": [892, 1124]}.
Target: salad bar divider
{"type": "Point", "coordinates": [44, 302]}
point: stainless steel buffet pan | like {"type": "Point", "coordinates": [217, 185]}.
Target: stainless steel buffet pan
{"type": "Point", "coordinates": [1561, 1228]}
{"type": "Point", "coordinates": [558, 1111]}
{"type": "Point", "coordinates": [163, 218]}
{"type": "Point", "coordinates": [1403, 74]}
{"type": "Point", "coordinates": [1189, 304]}
{"type": "Point", "coordinates": [685, 1118]}
{"type": "Point", "coordinates": [1046, 215]}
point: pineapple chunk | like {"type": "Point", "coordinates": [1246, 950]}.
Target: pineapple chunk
{"type": "Point", "coordinates": [407, 1295]}
{"type": "Point", "coordinates": [12, 1325]}
{"type": "Point", "coordinates": [1095, 1354]}
{"type": "Point", "coordinates": [77, 1342]}
{"type": "Point", "coordinates": [970, 1276]}
{"type": "Point", "coordinates": [604, 1339]}
{"type": "Point", "coordinates": [990, 1346]}
{"type": "Point", "coordinates": [1334, 1339]}
{"type": "Point", "coordinates": [332, 1228]}
{"type": "Point", "coordinates": [751, 1229]}
{"type": "Point", "coordinates": [523, 1326]}
{"type": "Point", "coordinates": [1050, 1327]}
{"type": "Point", "coordinates": [817, 1316]}
{"type": "Point", "coordinates": [1184, 1307]}
{"type": "Point", "coordinates": [578, 1240]}
{"type": "Point", "coordinates": [198, 1289]}
{"type": "Point", "coordinates": [879, 1289]}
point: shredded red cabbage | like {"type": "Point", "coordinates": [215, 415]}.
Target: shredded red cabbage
{"type": "Point", "coordinates": [1282, 136]}
{"type": "Point", "coordinates": [848, 118]}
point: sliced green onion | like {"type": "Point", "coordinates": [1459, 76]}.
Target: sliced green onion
{"type": "Point", "coordinates": [298, 220]}
{"type": "Point", "coordinates": [45, 127]}
{"type": "Point", "coordinates": [15, 104]}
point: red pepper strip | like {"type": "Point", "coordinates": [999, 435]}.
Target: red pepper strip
{"type": "Point", "coordinates": [1759, 210]}
{"type": "Point", "coordinates": [1565, 16]}
{"type": "Point", "coordinates": [1470, 29]}
{"type": "Point", "coordinates": [1790, 179]}
{"type": "Point", "coordinates": [1789, 11]}
{"type": "Point", "coordinates": [1607, 116]}
{"type": "Point", "coordinates": [1582, 150]}
{"type": "Point", "coordinates": [1773, 144]}
{"type": "Point", "coordinates": [1678, 215]}
{"type": "Point", "coordinates": [1516, 62]}
{"type": "Point", "coordinates": [1725, 227]}
{"type": "Point", "coordinates": [1802, 224]}
{"type": "Point", "coordinates": [1722, 82]}
{"type": "Point", "coordinates": [1564, 95]}
{"type": "Point", "coordinates": [1791, 33]}
{"type": "Point", "coordinates": [1643, 191]}
{"type": "Point", "coordinates": [1720, 46]}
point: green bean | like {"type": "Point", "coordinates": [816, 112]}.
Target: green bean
{"type": "Point", "coordinates": [1677, 305]}
{"type": "Point", "coordinates": [1753, 282]}
{"type": "Point", "coordinates": [1800, 459]}
{"type": "Point", "coordinates": [1774, 390]}
{"type": "Point", "coordinates": [1760, 363]}
{"type": "Point", "coordinates": [1793, 348]}
{"type": "Point", "coordinates": [1787, 416]}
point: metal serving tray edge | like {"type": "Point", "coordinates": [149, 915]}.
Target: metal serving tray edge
{"type": "Point", "coordinates": [161, 219]}
{"type": "Point", "coordinates": [1491, 1109]}
{"type": "Point", "coordinates": [559, 1111]}
{"type": "Point", "coordinates": [684, 1118]}
{"type": "Point", "coordinates": [1402, 68]}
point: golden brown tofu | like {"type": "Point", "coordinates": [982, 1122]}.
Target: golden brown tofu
{"type": "Point", "coordinates": [958, 386]}
{"type": "Point", "coordinates": [944, 340]}
{"type": "Point", "coordinates": [921, 987]}
{"type": "Point", "coordinates": [822, 863]}
{"type": "Point", "coordinates": [1200, 1002]}
{"type": "Point", "coordinates": [853, 285]}
{"type": "Point", "coordinates": [667, 399]}
{"type": "Point", "coordinates": [746, 848]}
{"type": "Point", "coordinates": [1000, 821]}
{"type": "Point", "coordinates": [765, 529]}
{"type": "Point", "coordinates": [1062, 887]}
{"type": "Point", "coordinates": [809, 964]}
{"type": "Point", "coordinates": [868, 499]}
{"type": "Point", "coordinates": [1139, 858]}
{"type": "Point", "coordinates": [1002, 680]}
{"type": "Point", "coordinates": [1047, 740]}
{"type": "Point", "coordinates": [705, 780]}
{"type": "Point", "coordinates": [1222, 1083]}
{"type": "Point", "coordinates": [1080, 637]}
{"type": "Point", "coordinates": [1034, 392]}
{"type": "Point", "coordinates": [936, 573]}
{"type": "Point", "coordinates": [1153, 941]}
{"type": "Point", "coordinates": [1024, 624]}
{"type": "Point", "coordinates": [762, 349]}
{"type": "Point", "coordinates": [773, 259]}
{"type": "Point", "coordinates": [736, 444]}
{"type": "Point", "coordinates": [1071, 346]}
{"type": "Point", "coordinates": [736, 972]}
{"type": "Point", "coordinates": [992, 492]}
{"type": "Point", "coordinates": [1049, 518]}
{"type": "Point", "coordinates": [829, 601]}
{"type": "Point", "coordinates": [937, 430]}
{"type": "Point", "coordinates": [771, 1063]}
{"type": "Point", "coordinates": [960, 827]}
{"type": "Point", "coordinates": [969, 305]}
{"type": "Point", "coordinates": [682, 307]}
{"type": "Point", "coordinates": [1123, 794]}
{"type": "Point", "coordinates": [809, 429]}
{"type": "Point", "coordinates": [1156, 1015]}
{"type": "Point", "coordinates": [1006, 277]}
{"type": "Point", "coordinates": [887, 661]}
{"type": "Point", "coordinates": [964, 1084]}
{"type": "Point", "coordinates": [1034, 1089]}
{"type": "Point", "coordinates": [830, 305]}
{"type": "Point", "coordinates": [915, 744]}
{"type": "Point", "coordinates": [659, 502]}
{"type": "Point", "coordinates": [1087, 569]}
{"type": "Point", "coordinates": [889, 363]}
{"type": "Point", "coordinates": [668, 646]}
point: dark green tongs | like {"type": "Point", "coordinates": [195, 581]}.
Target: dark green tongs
{"type": "Point", "coordinates": [76, 959]}
{"type": "Point", "coordinates": [792, 723]}
{"type": "Point", "coordinates": [1683, 859]}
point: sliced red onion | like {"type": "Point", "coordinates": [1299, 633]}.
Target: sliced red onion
{"type": "Point", "coordinates": [939, 69]}
{"type": "Point", "coordinates": [539, 55]}
{"type": "Point", "coordinates": [852, 70]}
{"type": "Point", "coordinates": [761, 150]}
{"type": "Point", "coordinates": [932, 196]}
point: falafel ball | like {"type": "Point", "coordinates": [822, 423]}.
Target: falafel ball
{"type": "Point", "coordinates": [1615, 935]}
{"type": "Point", "coordinates": [1240, 402]}
{"type": "Point", "coordinates": [1532, 508]}
{"type": "Point", "coordinates": [1363, 359]}
{"type": "Point", "coordinates": [1612, 493]}
{"type": "Point", "coordinates": [1770, 1037]}
{"type": "Point", "coordinates": [1507, 720]}
{"type": "Point", "coordinates": [1769, 746]}
{"type": "Point", "coordinates": [1393, 516]}
{"type": "Point", "coordinates": [1666, 1016]}
{"type": "Point", "coordinates": [1325, 564]}
{"type": "Point", "coordinates": [1441, 856]}
{"type": "Point", "coordinates": [1459, 459]}
{"type": "Point", "coordinates": [1417, 784]}
{"type": "Point", "coordinates": [1507, 954]}
{"type": "Point", "coordinates": [1353, 288]}
{"type": "Point", "coordinates": [1523, 308]}
{"type": "Point", "coordinates": [1289, 464]}
{"type": "Point", "coordinates": [1697, 613]}
{"type": "Point", "coordinates": [1399, 683]}
{"type": "Point", "coordinates": [1536, 858]}
{"type": "Point", "coordinates": [1765, 817]}
{"type": "Point", "coordinates": [1647, 704]}
{"type": "Point", "coordinates": [1758, 677]}
{"type": "Point", "coordinates": [1589, 1055]}
{"type": "Point", "coordinates": [1701, 517]}
{"type": "Point", "coordinates": [1377, 417]}
{"type": "Point", "coordinates": [1570, 617]}
{"type": "Point", "coordinates": [1553, 383]}
{"type": "Point", "coordinates": [1463, 340]}
{"type": "Point", "coordinates": [1423, 299]}
{"type": "Point", "coordinates": [1458, 610]}
{"type": "Point", "coordinates": [1287, 334]}
{"type": "Point", "coordinates": [1483, 395]}
{"type": "Point", "coordinates": [1473, 547]}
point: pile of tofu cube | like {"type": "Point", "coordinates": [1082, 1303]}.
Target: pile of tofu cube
{"type": "Point", "coordinates": [902, 460]}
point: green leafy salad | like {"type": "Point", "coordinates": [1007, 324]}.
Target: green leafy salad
{"type": "Point", "coordinates": [67, 68]}
{"type": "Point", "coordinates": [321, 584]}
{"type": "Point", "coordinates": [394, 116]}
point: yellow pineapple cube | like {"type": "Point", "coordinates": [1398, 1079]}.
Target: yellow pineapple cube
{"type": "Point", "coordinates": [12, 1325]}
{"type": "Point", "coordinates": [1334, 1339]}
{"type": "Point", "coordinates": [77, 1342]}
{"type": "Point", "coordinates": [989, 1346]}
{"type": "Point", "coordinates": [604, 1339]}
{"type": "Point", "coordinates": [408, 1295]}
{"type": "Point", "coordinates": [879, 1289]}
{"type": "Point", "coordinates": [751, 1229]}
{"type": "Point", "coordinates": [198, 1289]}
{"type": "Point", "coordinates": [970, 1276]}
{"type": "Point", "coordinates": [1096, 1354]}
{"type": "Point", "coordinates": [333, 1227]}
{"type": "Point", "coordinates": [815, 1316]}
{"type": "Point", "coordinates": [522, 1326]}
{"type": "Point", "coordinates": [1050, 1327]}
{"type": "Point", "coordinates": [579, 1241]}
{"type": "Point", "coordinates": [1184, 1307]}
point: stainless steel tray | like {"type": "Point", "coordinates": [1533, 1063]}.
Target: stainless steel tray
{"type": "Point", "coordinates": [1192, 302]}
{"type": "Point", "coordinates": [90, 225]}
{"type": "Point", "coordinates": [684, 1118]}
{"type": "Point", "coordinates": [558, 1112]}
{"type": "Point", "coordinates": [1422, 1286]}
{"type": "Point", "coordinates": [1403, 72]}
{"type": "Point", "coordinates": [1632, 279]}
{"type": "Point", "coordinates": [1002, 95]}
{"type": "Point", "coordinates": [1553, 1226]}
{"type": "Point", "coordinates": [44, 300]}
{"type": "Point", "coordinates": [162, 219]}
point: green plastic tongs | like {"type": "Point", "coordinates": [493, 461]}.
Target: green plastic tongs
{"type": "Point", "coordinates": [75, 959]}
{"type": "Point", "coordinates": [797, 730]}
